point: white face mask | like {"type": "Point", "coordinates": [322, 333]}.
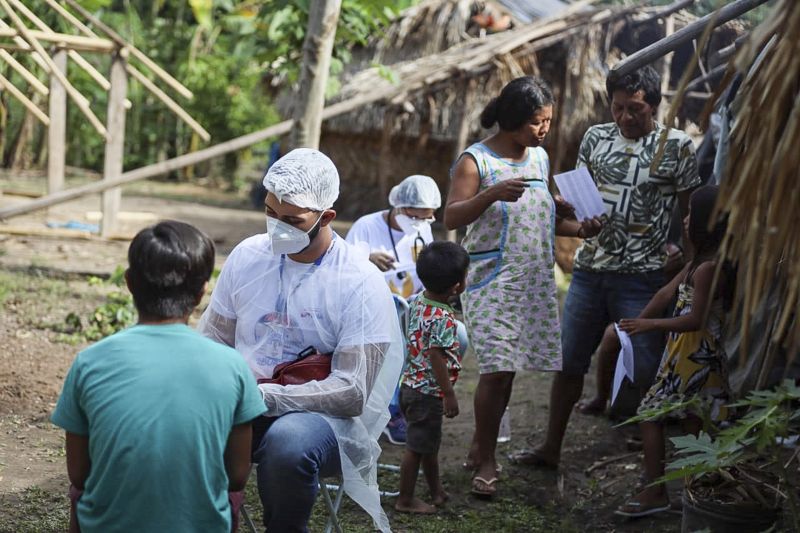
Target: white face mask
{"type": "Point", "coordinates": [286, 239]}
{"type": "Point", "coordinates": [412, 226]}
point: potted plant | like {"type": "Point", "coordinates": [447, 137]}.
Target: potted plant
{"type": "Point", "coordinates": [747, 474]}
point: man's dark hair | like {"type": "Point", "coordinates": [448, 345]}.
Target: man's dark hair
{"type": "Point", "coordinates": [517, 103]}
{"type": "Point", "coordinates": [442, 264]}
{"type": "Point", "coordinates": [645, 79]}
{"type": "Point", "coordinates": [168, 265]}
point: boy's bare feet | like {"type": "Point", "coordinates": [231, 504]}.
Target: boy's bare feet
{"type": "Point", "coordinates": [440, 498]}
{"type": "Point", "coordinates": [415, 506]}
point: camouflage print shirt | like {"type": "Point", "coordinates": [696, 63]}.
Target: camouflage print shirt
{"type": "Point", "coordinates": [639, 199]}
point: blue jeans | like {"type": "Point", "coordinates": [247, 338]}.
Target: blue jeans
{"type": "Point", "coordinates": [292, 452]}
{"type": "Point", "coordinates": [596, 299]}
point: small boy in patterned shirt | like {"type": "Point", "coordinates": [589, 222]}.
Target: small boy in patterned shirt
{"type": "Point", "coordinates": [432, 367]}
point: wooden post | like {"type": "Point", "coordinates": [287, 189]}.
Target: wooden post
{"type": "Point", "coordinates": [115, 147]}
{"type": "Point", "coordinates": [663, 108]}
{"type": "Point", "coordinates": [323, 16]}
{"type": "Point", "coordinates": [463, 134]}
{"type": "Point", "coordinates": [57, 132]}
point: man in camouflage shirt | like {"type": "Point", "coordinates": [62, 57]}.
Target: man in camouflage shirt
{"type": "Point", "coordinates": [617, 272]}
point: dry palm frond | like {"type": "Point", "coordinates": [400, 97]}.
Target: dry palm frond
{"type": "Point", "coordinates": [759, 190]}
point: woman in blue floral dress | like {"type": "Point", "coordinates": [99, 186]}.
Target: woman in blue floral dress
{"type": "Point", "coordinates": [500, 192]}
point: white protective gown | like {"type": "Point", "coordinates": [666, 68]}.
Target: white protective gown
{"type": "Point", "coordinates": [271, 308]}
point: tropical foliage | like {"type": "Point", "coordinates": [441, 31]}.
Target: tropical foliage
{"type": "Point", "coordinates": [230, 53]}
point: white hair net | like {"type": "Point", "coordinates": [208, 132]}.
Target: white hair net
{"type": "Point", "coordinates": [416, 191]}
{"type": "Point", "coordinates": [271, 309]}
{"type": "Point", "coordinates": [304, 177]}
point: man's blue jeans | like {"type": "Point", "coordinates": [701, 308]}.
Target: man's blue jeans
{"type": "Point", "coordinates": [293, 452]}
{"type": "Point", "coordinates": [594, 300]}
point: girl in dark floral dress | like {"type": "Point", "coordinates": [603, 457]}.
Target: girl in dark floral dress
{"type": "Point", "coordinates": [694, 361]}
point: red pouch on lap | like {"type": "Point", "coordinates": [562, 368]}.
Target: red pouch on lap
{"type": "Point", "coordinates": [309, 367]}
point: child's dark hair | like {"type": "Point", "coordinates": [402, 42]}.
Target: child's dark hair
{"type": "Point", "coordinates": [645, 79]}
{"type": "Point", "coordinates": [517, 103]}
{"type": "Point", "coordinates": [168, 265]}
{"type": "Point", "coordinates": [442, 264]}
{"type": "Point", "coordinates": [706, 241]}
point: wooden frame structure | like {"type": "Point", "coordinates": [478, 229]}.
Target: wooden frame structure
{"type": "Point", "coordinates": [22, 32]}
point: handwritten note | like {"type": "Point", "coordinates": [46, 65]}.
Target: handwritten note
{"type": "Point", "coordinates": [578, 188]}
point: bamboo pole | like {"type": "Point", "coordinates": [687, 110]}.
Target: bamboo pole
{"type": "Point", "coordinates": [135, 52]}
{"type": "Point", "coordinates": [79, 99]}
{"type": "Point", "coordinates": [22, 45]}
{"type": "Point", "coordinates": [74, 55]}
{"type": "Point", "coordinates": [169, 102]}
{"type": "Point", "coordinates": [64, 40]}
{"type": "Point", "coordinates": [189, 159]}
{"type": "Point", "coordinates": [25, 73]}
{"type": "Point", "coordinates": [666, 69]}
{"type": "Point", "coordinates": [57, 132]}
{"type": "Point", "coordinates": [24, 100]}
{"type": "Point", "coordinates": [115, 146]}
{"type": "Point", "coordinates": [650, 53]}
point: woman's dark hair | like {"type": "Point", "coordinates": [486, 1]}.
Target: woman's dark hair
{"type": "Point", "coordinates": [168, 265]}
{"type": "Point", "coordinates": [645, 79]}
{"type": "Point", "coordinates": [517, 103]}
{"type": "Point", "coordinates": [442, 264]}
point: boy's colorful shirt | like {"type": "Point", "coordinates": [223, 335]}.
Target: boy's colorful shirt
{"type": "Point", "coordinates": [431, 325]}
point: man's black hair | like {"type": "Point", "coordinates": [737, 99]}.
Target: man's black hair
{"type": "Point", "coordinates": [517, 103]}
{"type": "Point", "coordinates": [442, 264]}
{"type": "Point", "coordinates": [645, 79]}
{"type": "Point", "coordinates": [168, 265]}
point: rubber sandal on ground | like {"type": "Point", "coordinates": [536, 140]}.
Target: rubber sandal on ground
{"type": "Point", "coordinates": [634, 509]}
{"type": "Point", "coordinates": [531, 458]}
{"type": "Point", "coordinates": [484, 488]}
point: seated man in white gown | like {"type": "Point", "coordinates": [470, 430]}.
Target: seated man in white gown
{"type": "Point", "coordinates": [299, 288]}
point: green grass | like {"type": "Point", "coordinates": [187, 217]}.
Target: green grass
{"type": "Point", "coordinates": [34, 511]}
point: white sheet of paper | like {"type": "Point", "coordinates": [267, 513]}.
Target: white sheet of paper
{"type": "Point", "coordinates": [619, 375]}
{"type": "Point", "coordinates": [624, 362]}
{"type": "Point", "coordinates": [578, 188]}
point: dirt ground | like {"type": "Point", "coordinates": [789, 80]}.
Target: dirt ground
{"type": "Point", "coordinates": [43, 278]}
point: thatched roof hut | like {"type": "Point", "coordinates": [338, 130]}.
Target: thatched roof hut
{"type": "Point", "coordinates": [437, 78]}
{"type": "Point", "coordinates": [434, 79]}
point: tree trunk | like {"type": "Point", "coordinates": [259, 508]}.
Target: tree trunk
{"type": "Point", "coordinates": [21, 156]}
{"type": "Point", "coordinates": [323, 16]}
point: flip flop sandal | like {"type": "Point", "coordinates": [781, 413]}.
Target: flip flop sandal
{"type": "Point", "coordinates": [634, 509]}
{"type": "Point", "coordinates": [486, 492]}
{"type": "Point", "coordinates": [531, 458]}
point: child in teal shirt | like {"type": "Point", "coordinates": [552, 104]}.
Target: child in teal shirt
{"type": "Point", "coordinates": [157, 417]}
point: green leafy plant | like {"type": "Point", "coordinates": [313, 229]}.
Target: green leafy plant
{"type": "Point", "coordinates": [747, 461]}
{"type": "Point", "coordinates": [113, 315]}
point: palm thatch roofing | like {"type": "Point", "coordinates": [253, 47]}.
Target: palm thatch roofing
{"type": "Point", "coordinates": [427, 81]}
{"type": "Point", "coordinates": [444, 68]}
{"type": "Point", "coordinates": [759, 194]}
